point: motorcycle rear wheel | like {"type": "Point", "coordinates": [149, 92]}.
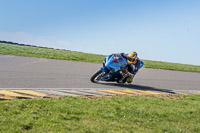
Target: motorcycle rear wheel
{"type": "Point", "coordinates": [97, 76]}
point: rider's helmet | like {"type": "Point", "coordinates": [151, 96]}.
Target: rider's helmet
{"type": "Point", "coordinates": [132, 58]}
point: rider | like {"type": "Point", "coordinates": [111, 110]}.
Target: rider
{"type": "Point", "coordinates": [133, 66]}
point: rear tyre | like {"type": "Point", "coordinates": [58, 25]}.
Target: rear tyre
{"type": "Point", "coordinates": [97, 76]}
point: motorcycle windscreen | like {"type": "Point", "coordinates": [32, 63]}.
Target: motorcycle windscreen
{"type": "Point", "coordinates": [120, 61]}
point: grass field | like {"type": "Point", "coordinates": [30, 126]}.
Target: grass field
{"type": "Point", "coordinates": [84, 57]}
{"type": "Point", "coordinates": [113, 114]}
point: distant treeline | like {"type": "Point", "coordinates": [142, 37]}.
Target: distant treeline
{"type": "Point", "coordinates": [14, 43]}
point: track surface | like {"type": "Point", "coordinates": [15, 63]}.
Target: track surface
{"type": "Point", "coordinates": [26, 72]}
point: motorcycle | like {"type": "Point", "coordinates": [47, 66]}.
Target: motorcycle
{"type": "Point", "coordinates": [114, 68]}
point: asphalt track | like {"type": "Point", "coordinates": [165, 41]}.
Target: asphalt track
{"type": "Point", "coordinates": [26, 72]}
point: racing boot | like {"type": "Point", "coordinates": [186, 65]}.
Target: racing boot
{"type": "Point", "coordinates": [124, 75]}
{"type": "Point", "coordinates": [130, 77]}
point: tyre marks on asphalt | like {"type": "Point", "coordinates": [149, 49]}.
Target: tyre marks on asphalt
{"type": "Point", "coordinates": [47, 93]}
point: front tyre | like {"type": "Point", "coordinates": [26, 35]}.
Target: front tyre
{"type": "Point", "coordinates": [97, 76]}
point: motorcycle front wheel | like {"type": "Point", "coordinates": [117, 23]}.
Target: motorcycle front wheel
{"type": "Point", "coordinates": [97, 76]}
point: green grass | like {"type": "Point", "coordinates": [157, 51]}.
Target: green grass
{"type": "Point", "coordinates": [84, 57]}
{"type": "Point", "coordinates": [116, 114]}
{"type": "Point", "coordinates": [49, 53]}
{"type": "Point", "coordinates": [171, 66]}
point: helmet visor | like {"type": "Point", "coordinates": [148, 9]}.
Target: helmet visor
{"type": "Point", "coordinates": [131, 59]}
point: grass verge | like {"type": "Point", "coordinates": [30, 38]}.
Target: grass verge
{"type": "Point", "coordinates": [84, 57]}
{"type": "Point", "coordinates": [114, 114]}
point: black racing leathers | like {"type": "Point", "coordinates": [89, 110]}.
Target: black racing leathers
{"type": "Point", "coordinates": [132, 68]}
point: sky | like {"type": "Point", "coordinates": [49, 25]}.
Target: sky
{"type": "Point", "coordinates": [160, 30]}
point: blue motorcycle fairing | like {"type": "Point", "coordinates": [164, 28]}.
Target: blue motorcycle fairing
{"type": "Point", "coordinates": [106, 59]}
{"type": "Point", "coordinates": [141, 64]}
{"type": "Point", "coordinates": [112, 67]}
{"type": "Point", "coordinates": [115, 66]}
{"type": "Point", "coordinates": [104, 69]}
